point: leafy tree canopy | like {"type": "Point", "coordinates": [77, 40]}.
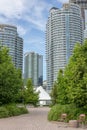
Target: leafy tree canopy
{"type": "Point", "coordinates": [71, 85]}
{"type": "Point", "coordinates": [30, 96]}
{"type": "Point", "coordinates": [10, 78]}
{"type": "Point", "coordinates": [76, 75]}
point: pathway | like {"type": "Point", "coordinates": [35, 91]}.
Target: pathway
{"type": "Point", "coordinates": [35, 120]}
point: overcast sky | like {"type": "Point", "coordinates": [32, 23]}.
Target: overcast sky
{"type": "Point", "coordinates": [30, 17]}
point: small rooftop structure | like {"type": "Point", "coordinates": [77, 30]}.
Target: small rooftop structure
{"type": "Point", "coordinates": [44, 97]}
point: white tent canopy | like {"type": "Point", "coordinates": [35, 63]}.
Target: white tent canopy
{"type": "Point", "coordinates": [43, 96]}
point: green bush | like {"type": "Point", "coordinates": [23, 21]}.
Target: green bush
{"type": "Point", "coordinates": [23, 110]}
{"type": "Point", "coordinates": [12, 110]}
{"type": "Point", "coordinates": [3, 112]}
{"type": "Point", "coordinates": [56, 111]}
{"type": "Point", "coordinates": [15, 110]}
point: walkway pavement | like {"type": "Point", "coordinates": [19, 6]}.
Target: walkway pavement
{"type": "Point", "coordinates": [35, 120]}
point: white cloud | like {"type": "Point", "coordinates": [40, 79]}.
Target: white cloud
{"type": "Point", "coordinates": [63, 1]}
{"type": "Point", "coordinates": [27, 10]}
{"type": "Point", "coordinates": [27, 15]}
{"type": "Point", "coordinates": [22, 31]}
{"type": "Point", "coordinates": [11, 8]}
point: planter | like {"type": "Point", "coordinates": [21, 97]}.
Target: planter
{"type": "Point", "coordinates": [74, 123]}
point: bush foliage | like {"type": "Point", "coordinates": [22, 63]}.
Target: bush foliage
{"type": "Point", "coordinates": [10, 78]}
{"type": "Point", "coordinates": [71, 86]}
{"type": "Point", "coordinates": [30, 96]}
{"type": "Point", "coordinates": [70, 109]}
{"type": "Point", "coordinates": [4, 112]}
{"type": "Point", "coordinates": [12, 110]}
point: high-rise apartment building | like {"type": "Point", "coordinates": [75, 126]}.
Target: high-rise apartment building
{"type": "Point", "coordinates": [83, 5]}
{"type": "Point", "coordinates": [33, 68]}
{"type": "Point", "coordinates": [9, 37]}
{"type": "Point", "coordinates": [63, 31]}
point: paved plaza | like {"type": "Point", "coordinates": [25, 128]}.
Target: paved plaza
{"type": "Point", "coordinates": [35, 120]}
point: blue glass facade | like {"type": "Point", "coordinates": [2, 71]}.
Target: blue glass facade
{"type": "Point", "coordinates": [33, 68]}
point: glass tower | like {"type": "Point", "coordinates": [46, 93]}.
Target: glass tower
{"type": "Point", "coordinates": [9, 37]}
{"type": "Point", "coordinates": [33, 68]}
{"type": "Point", "coordinates": [63, 30]}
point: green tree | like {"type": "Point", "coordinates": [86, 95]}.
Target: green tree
{"type": "Point", "coordinates": [10, 78]}
{"type": "Point", "coordinates": [59, 93]}
{"type": "Point", "coordinates": [70, 91]}
{"type": "Point", "coordinates": [71, 85]}
{"type": "Point", "coordinates": [76, 74]}
{"type": "Point", "coordinates": [61, 88]}
{"type": "Point", "coordinates": [54, 93]}
{"type": "Point", "coordinates": [30, 96]}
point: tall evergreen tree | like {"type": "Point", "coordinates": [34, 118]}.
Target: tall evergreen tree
{"type": "Point", "coordinates": [76, 74]}
{"type": "Point", "coordinates": [10, 78]}
{"type": "Point", "coordinates": [59, 93]}
{"type": "Point", "coordinates": [30, 95]}
{"type": "Point", "coordinates": [71, 84]}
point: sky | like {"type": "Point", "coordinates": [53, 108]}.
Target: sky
{"type": "Point", "coordinates": [30, 18]}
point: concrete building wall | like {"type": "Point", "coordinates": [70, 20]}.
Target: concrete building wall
{"type": "Point", "coordinates": [9, 37]}
{"type": "Point", "coordinates": [63, 30]}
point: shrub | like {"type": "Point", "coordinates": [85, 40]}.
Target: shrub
{"type": "Point", "coordinates": [15, 110]}
{"type": "Point", "coordinates": [56, 111]}
{"type": "Point", "coordinates": [23, 110]}
{"type": "Point", "coordinates": [3, 112]}
{"type": "Point", "coordinates": [12, 110]}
